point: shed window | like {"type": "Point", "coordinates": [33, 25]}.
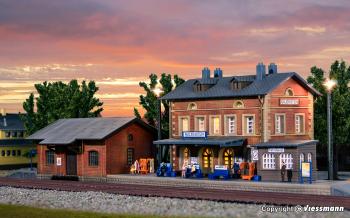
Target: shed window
{"type": "Point", "coordinates": [93, 158]}
{"type": "Point", "coordinates": [130, 137]}
{"type": "Point", "coordinates": [130, 156]}
{"type": "Point", "coordinates": [269, 161]}
{"type": "Point", "coordinates": [50, 157]}
{"type": "Point", "coordinates": [286, 159]}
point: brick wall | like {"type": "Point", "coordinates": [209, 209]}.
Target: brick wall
{"type": "Point", "coordinates": [117, 146]}
{"type": "Point", "coordinates": [83, 167]}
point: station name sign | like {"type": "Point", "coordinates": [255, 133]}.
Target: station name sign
{"type": "Point", "coordinates": [195, 134]}
{"type": "Point", "coordinates": [289, 101]}
{"type": "Point", "coordinates": [275, 150]}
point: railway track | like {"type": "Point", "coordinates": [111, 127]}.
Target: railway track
{"type": "Point", "coordinates": [181, 192]}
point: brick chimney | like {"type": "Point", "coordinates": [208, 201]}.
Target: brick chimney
{"type": "Point", "coordinates": [205, 73]}
{"type": "Point", "coordinates": [260, 71]}
{"type": "Point", "coordinates": [217, 73]}
{"type": "Point", "coordinates": [272, 69]}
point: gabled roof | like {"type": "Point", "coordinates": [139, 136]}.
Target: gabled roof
{"type": "Point", "coordinates": [11, 122]}
{"type": "Point", "coordinates": [67, 131]}
{"type": "Point", "coordinates": [222, 88]}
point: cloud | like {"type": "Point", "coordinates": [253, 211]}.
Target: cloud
{"type": "Point", "coordinates": [310, 30]}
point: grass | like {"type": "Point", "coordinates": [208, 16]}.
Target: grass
{"type": "Point", "coordinates": [16, 211]}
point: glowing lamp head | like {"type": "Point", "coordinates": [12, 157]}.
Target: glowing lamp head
{"type": "Point", "coordinates": [157, 91]}
{"type": "Point", "coordinates": [329, 84]}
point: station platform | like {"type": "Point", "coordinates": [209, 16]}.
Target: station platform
{"type": "Point", "coordinates": [319, 187]}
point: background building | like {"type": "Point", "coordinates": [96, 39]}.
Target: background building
{"type": "Point", "coordinates": [14, 149]}
{"type": "Point", "coordinates": [260, 111]}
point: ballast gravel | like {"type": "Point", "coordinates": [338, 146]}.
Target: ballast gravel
{"type": "Point", "coordinates": [121, 204]}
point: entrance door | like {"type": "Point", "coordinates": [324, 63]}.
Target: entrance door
{"type": "Point", "coordinates": [71, 164]}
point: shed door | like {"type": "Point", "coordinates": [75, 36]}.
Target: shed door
{"type": "Point", "coordinates": [71, 164]}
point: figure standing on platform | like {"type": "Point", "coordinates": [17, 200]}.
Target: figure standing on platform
{"type": "Point", "coordinates": [184, 169]}
{"type": "Point", "coordinates": [283, 171]}
{"type": "Point", "coordinates": [137, 166]}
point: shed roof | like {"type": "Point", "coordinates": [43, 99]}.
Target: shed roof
{"type": "Point", "coordinates": [66, 131]}
{"type": "Point", "coordinates": [222, 87]}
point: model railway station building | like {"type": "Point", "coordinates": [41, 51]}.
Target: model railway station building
{"type": "Point", "coordinates": [266, 117]}
{"type": "Point", "coordinates": [92, 147]}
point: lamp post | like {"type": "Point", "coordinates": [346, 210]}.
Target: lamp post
{"type": "Point", "coordinates": [329, 84]}
{"type": "Point", "coordinates": [158, 92]}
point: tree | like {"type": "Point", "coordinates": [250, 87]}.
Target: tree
{"type": "Point", "coordinates": [340, 108]}
{"type": "Point", "coordinates": [59, 100]}
{"type": "Point", "coordinates": [149, 100]}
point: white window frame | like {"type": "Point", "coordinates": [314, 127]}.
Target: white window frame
{"type": "Point", "coordinates": [245, 124]}
{"type": "Point", "coordinates": [196, 120]}
{"type": "Point", "coordinates": [278, 124]}
{"type": "Point", "coordinates": [181, 124]}
{"type": "Point", "coordinates": [268, 161]}
{"type": "Point", "coordinates": [298, 129]}
{"type": "Point", "coordinates": [211, 124]}
{"type": "Point", "coordinates": [301, 157]}
{"type": "Point", "coordinates": [287, 158]}
{"type": "Point", "coordinates": [227, 124]}
{"type": "Point", "coordinates": [189, 106]}
{"type": "Point", "coordinates": [309, 157]}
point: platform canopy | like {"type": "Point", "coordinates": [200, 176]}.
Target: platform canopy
{"type": "Point", "coordinates": [285, 144]}
{"type": "Point", "coordinates": [218, 141]}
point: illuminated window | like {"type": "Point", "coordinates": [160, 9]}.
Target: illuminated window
{"type": "Point", "coordinates": [299, 123]}
{"type": "Point", "coordinates": [192, 106]}
{"type": "Point", "coordinates": [207, 155]}
{"type": "Point", "coordinates": [228, 158]}
{"type": "Point", "coordinates": [186, 153]}
{"type": "Point", "coordinates": [184, 124]}
{"type": "Point", "coordinates": [93, 158]}
{"type": "Point", "coordinates": [215, 126]}
{"type": "Point", "coordinates": [279, 124]}
{"type": "Point", "coordinates": [287, 160]}
{"type": "Point", "coordinates": [238, 104]}
{"type": "Point", "coordinates": [200, 123]}
{"type": "Point", "coordinates": [289, 92]}
{"type": "Point", "coordinates": [269, 161]}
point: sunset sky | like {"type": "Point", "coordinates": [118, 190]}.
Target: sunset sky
{"type": "Point", "coordinates": [119, 43]}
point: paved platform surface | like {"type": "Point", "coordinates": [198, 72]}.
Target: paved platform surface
{"type": "Point", "coordinates": [320, 187]}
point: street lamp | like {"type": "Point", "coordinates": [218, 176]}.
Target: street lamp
{"type": "Point", "coordinates": [158, 91]}
{"type": "Point", "coordinates": [329, 84]}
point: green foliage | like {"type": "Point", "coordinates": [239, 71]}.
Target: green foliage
{"type": "Point", "coordinates": [59, 100]}
{"type": "Point", "coordinates": [149, 100]}
{"type": "Point", "coordinates": [340, 104]}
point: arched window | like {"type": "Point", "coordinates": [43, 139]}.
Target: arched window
{"type": "Point", "coordinates": [309, 157]}
{"type": "Point", "coordinates": [130, 137]}
{"type": "Point", "coordinates": [192, 106]}
{"type": "Point", "coordinates": [269, 161]}
{"type": "Point", "coordinates": [207, 154]}
{"type": "Point", "coordinates": [302, 158]}
{"type": "Point", "coordinates": [93, 158]}
{"type": "Point", "coordinates": [286, 159]}
{"type": "Point", "coordinates": [289, 92]}
{"type": "Point", "coordinates": [228, 158]}
{"type": "Point", "coordinates": [238, 104]}
{"type": "Point", "coordinates": [186, 153]}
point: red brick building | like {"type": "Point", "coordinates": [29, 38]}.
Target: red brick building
{"type": "Point", "coordinates": [261, 111]}
{"type": "Point", "coordinates": [92, 147]}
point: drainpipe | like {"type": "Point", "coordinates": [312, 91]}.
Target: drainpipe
{"type": "Point", "coordinates": [262, 131]}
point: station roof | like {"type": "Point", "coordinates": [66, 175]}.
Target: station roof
{"type": "Point", "coordinates": [285, 144]}
{"type": "Point", "coordinates": [222, 87]}
{"type": "Point", "coordinates": [217, 141]}
{"type": "Point", "coordinates": [11, 122]}
{"type": "Point", "coordinates": [67, 131]}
